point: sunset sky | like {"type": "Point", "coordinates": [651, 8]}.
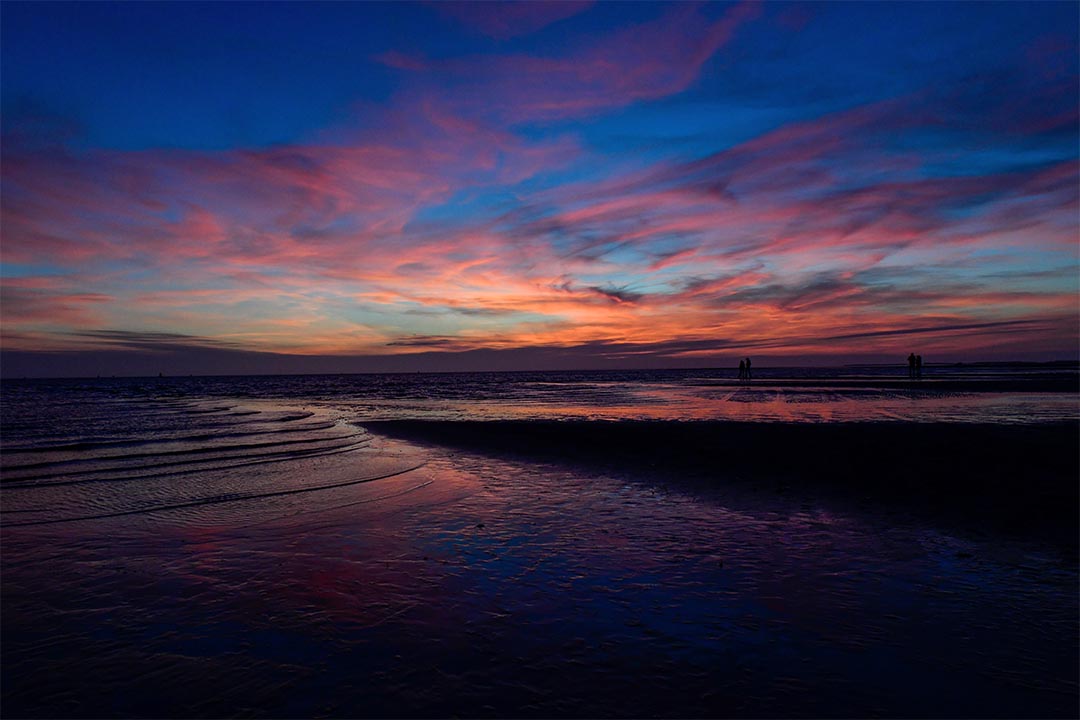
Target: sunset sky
{"type": "Point", "coordinates": [348, 187]}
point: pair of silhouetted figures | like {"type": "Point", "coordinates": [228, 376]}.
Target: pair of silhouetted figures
{"type": "Point", "coordinates": [914, 366]}
{"type": "Point", "coordinates": [744, 369]}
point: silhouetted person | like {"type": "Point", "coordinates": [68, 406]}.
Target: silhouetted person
{"type": "Point", "coordinates": [742, 369]}
{"type": "Point", "coordinates": [911, 365]}
{"type": "Point", "coordinates": [748, 375]}
{"type": "Point", "coordinates": [918, 366]}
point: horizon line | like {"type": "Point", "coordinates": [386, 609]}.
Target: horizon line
{"type": "Point", "coordinates": [161, 376]}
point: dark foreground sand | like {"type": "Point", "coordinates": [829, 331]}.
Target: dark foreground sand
{"type": "Point", "coordinates": [1021, 478]}
{"type": "Point", "coordinates": [544, 569]}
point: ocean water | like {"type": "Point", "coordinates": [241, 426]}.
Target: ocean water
{"type": "Point", "coordinates": [247, 546]}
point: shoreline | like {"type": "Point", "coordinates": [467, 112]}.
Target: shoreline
{"type": "Point", "coordinates": [986, 377]}
{"type": "Point", "coordinates": [1032, 384]}
{"type": "Point", "coordinates": [1013, 478]}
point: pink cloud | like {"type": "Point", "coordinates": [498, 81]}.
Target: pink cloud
{"type": "Point", "coordinates": [29, 304]}
{"type": "Point", "coordinates": [651, 60]}
{"type": "Point", "coordinates": [367, 241]}
{"type": "Point", "coordinates": [505, 20]}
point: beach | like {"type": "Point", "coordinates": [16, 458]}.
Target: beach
{"type": "Point", "coordinates": [992, 476]}
{"type": "Point", "coordinates": [540, 360]}
{"type": "Point", "coordinates": [553, 545]}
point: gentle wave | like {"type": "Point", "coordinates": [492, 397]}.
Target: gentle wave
{"type": "Point", "coordinates": [86, 445]}
{"type": "Point", "coordinates": [45, 481]}
{"type": "Point", "coordinates": [217, 448]}
{"type": "Point", "coordinates": [191, 455]}
{"type": "Point", "coordinates": [217, 499]}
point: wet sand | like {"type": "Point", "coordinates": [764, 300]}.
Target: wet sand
{"type": "Point", "coordinates": [1032, 383]}
{"type": "Point", "coordinates": [217, 557]}
{"type": "Point", "coordinates": [1013, 477]}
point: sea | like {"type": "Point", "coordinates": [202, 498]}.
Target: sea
{"type": "Point", "coordinates": [260, 547]}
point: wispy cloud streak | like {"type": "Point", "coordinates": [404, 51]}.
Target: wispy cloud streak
{"type": "Point", "coordinates": [475, 210]}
